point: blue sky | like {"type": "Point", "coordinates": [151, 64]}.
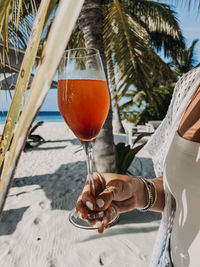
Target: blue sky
{"type": "Point", "coordinates": [189, 22]}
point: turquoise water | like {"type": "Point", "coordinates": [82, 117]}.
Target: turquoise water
{"type": "Point", "coordinates": [46, 116]}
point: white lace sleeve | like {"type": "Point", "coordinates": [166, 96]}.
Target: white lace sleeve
{"type": "Point", "coordinates": [159, 143]}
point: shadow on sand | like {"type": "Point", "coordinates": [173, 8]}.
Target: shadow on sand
{"type": "Point", "coordinates": [62, 188]}
{"type": "Point", "coordinates": [40, 147]}
{"type": "Point", "coordinates": [10, 219]}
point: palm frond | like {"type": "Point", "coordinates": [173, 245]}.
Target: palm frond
{"type": "Point", "coordinates": [129, 39]}
{"type": "Point", "coordinates": [4, 9]}
{"type": "Point", "coordinates": [191, 52]}
{"type": "Point", "coordinates": [161, 23]}
{"type": "Point", "coordinates": [22, 82]}
{"type": "Point", "coordinates": [185, 62]}
{"type": "Point", "coordinates": [156, 16]}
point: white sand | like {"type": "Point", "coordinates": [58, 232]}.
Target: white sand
{"type": "Point", "coordinates": [34, 229]}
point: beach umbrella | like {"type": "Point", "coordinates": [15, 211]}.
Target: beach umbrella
{"type": "Point", "coordinates": [8, 81]}
{"type": "Point", "coordinates": [9, 72]}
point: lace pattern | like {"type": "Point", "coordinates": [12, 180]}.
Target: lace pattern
{"type": "Point", "coordinates": [158, 146]}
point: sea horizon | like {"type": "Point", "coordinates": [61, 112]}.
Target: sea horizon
{"type": "Point", "coordinates": [46, 116]}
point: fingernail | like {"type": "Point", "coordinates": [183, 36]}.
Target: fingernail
{"type": "Point", "coordinates": [89, 205]}
{"type": "Point", "coordinates": [100, 203]}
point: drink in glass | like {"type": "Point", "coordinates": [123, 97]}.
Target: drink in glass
{"type": "Point", "coordinates": [84, 105]}
{"type": "Point", "coordinates": [83, 100]}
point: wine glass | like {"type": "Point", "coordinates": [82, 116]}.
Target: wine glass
{"type": "Point", "coordinates": [83, 100]}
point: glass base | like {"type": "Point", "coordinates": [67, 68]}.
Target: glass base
{"type": "Point", "coordinates": [83, 224]}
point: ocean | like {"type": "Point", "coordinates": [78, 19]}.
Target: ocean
{"type": "Point", "coordinates": [46, 116]}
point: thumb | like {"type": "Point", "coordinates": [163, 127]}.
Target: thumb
{"type": "Point", "coordinates": [105, 198]}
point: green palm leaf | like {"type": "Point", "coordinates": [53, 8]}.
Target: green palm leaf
{"type": "Point", "coordinates": [131, 46]}
{"type": "Point", "coordinates": [185, 62]}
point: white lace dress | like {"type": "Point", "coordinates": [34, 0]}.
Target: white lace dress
{"type": "Point", "coordinates": [158, 146]}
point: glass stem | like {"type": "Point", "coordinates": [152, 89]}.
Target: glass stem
{"type": "Point", "coordinates": [89, 160]}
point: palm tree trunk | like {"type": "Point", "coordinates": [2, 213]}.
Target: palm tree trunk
{"type": "Point", "coordinates": [91, 24]}
{"type": "Point", "coordinates": [117, 123]}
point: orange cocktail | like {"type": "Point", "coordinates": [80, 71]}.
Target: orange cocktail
{"type": "Point", "coordinates": [84, 105]}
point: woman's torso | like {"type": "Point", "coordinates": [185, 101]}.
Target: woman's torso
{"type": "Point", "coordinates": [182, 173]}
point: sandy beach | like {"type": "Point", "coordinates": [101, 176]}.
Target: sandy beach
{"type": "Point", "coordinates": [34, 228]}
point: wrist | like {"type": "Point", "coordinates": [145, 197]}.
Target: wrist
{"type": "Point", "coordinates": [140, 193]}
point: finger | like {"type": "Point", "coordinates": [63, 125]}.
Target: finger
{"type": "Point", "coordinates": [88, 197]}
{"type": "Point", "coordinates": [98, 185]}
{"type": "Point", "coordinates": [81, 208]}
{"type": "Point", "coordinates": [105, 198]}
{"type": "Point", "coordinates": [101, 230]}
{"type": "Point", "coordinates": [110, 215]}
{"type": "Point", "coordinates": [85, 214]}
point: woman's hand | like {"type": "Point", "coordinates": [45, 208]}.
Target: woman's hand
{"type": "Point", "coordinates": [112, 193]}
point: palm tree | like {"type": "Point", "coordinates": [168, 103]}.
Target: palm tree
{"type": "Point", "coordinates": [131, 28]}
{"type": "Point", "coordinates": [138, 110]}
{"type": "Point", "coordinates": [185, 61]}
{"type": "Point", "coordinates": [162, 93]}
